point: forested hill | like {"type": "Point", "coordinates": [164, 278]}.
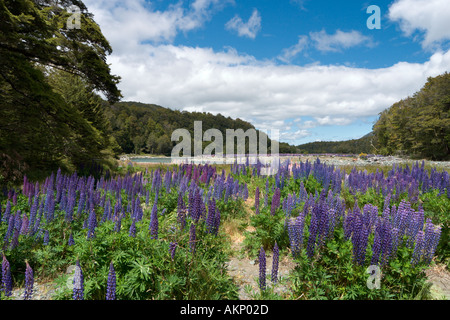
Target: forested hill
{"type": "Point", "coordinates": [355, 146]}
{"type": "Point", "coordinates": [147, 128]}
{"type": "Point", "coordinates": [418, 126]}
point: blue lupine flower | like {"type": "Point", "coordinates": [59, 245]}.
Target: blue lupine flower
{"type": "Point", "coordinates": [71, 240]}
{"type": "Point", "coordinates": [111, 284]}
{"type": "Point", "coordinates": [154, 222]}
{"type": "Point", "coordinates": [92, 224]}
{"type": "Point", "coordinates": [46, 237]}
{"type": "Point", "coordinates": [262, 269]}
{"type": "Point", "coordinates": [275, 261]}
{"type": "Point", "coordinates": [211, 216]}
{"type": "Point", "coordinates": [6, 277]}
{"type": "Point", "coordinates": [257, 200]}
{"type": "Point", "coordinates": [418, 248]}
{"type": "Point", "coordinates": [29, 281]}
{"type": "Point", "coordinates": [78, 283]}
{"type": "Point", "coordinates": [172, 248]}
{"type": "Point", "coordinates": [132, 231]}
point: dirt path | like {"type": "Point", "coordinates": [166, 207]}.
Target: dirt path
{"type": "Point", "coordinates": [245, 271]}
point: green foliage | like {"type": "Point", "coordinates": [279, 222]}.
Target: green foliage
{"type": "Point", "coordinates": [332, 274]}
{"type": "Point", "coordinates": [268, 229]}
{"type": "Point", "coordinates": [419, 125]}
{"type": "Point", "coordinates": [147, 128]}
{"type": "Point", "coordinates": [354, 146]}
{"type": "Point", "coordinates": [49, 119]}
{"type": "Point", "coordinates": [437, 208]}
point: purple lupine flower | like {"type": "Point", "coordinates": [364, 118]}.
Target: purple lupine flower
{"type": "Point", "coordinates": [15, 239]}
{"type": "Point", "coordinates": [33, 209]}
{"type": "Point", "coordinates": [418, 248]}
{"type": "Point", "coordinates": [111, 284]}
{"type": "Point", "coordinates": [275, 260]}
{"type": "Point", "coordinates": [395, 242]}
{"type": "Point", "coordinates": [71, 240]}
{"type": "Point", "coordinates": [266, 195]}
{"type": "Point", "coordinates": [275, 201]}
{"type": "Point", "coordinates": [377, 242]}
{"type": "Point", "coordinates": [29, 281]}
{"type": "Point", "coordinates": [295, 232]}
{"type": "Point", "coordinates": [172, 248]}
{"type": "Point", "coordinates": [24, 226]}
{"type": "Point", "coordinates": [10, 229]}
{"type": "Point", "coordinates": [154, 222]}
{"type": "Point", "coordinates": [6, 277]}
{"type": "Point", "coordinates": [386, 244]}
{"type": "Point", "coordinates": [257, 200]}
{"type": "Point", "coordinates": [211, 216]}
{"type": "Point", "coordinates": [262, 269]}
{"type": "Point", "coordinates": [192, 238]}
{"type": "Point", "coordinates": [7, 212]}
{"type": "Point", "coordinates": [313, 231]}
{"type": "Point", "coordinates": [118, 224]}
{"type": "Point", "coordinates": [217, 221]}
{"type": "Point", "coordinates": [92, 224]}
{"type": "Point", "coordinates": [431, 240]}
{"type": "Point", "coordinates": [78, 283]}
{"type": "Point", "coordinates": [132, 231]}
{"type": "Point", "coordinates": [46, 237]}
{"type": "Point", "coordinates": [181, 209]}
{"type": "Point", "coordinates": [245, 192]}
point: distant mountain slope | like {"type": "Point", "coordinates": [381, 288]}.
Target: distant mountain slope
{"type": "Point", "coordinates": [355, 146]}
{"type": "Point", "coordinates": [147, 128]}
{"type": "Point", "coordinates": [418, 126]}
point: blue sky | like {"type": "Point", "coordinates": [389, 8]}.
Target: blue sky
{"type": "Point", "coordinates": [311, 69]}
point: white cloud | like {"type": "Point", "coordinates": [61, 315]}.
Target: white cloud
{"type": "Point", "coordinates": [327, 120]}
{"type": "Point", "coordinates": [241, 86]}
{"type": "Point", "coordinates": [245, 29]}
{"type": "Point", "coordinates": [288, 54]}
{"type": "Point", "coordinates": [325, 42]}
{"type": "Point", "coordinates": [432, 17]}
{"type": "Point", "coordinates": [339, 40]}
{"type": "Point", "coordinates": [300, 4]}
{"type": "Point", "coordinates": [128, 23]}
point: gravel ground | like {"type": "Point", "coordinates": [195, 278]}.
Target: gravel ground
{"type": "Point", "coordinates": [376, 160]}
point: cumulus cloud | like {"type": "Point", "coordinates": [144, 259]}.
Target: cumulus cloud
{"type": "Point", "coordinates": [339, 40]}
{"type": "Point", "coordinates": [324, 42]}
{"type": "Point", "coordinates": [432, 17]}
{"type": "Point", "coordinates": [240, 86]}
{"type": "Point", "coordinates": [247, 29]}
{"type": "Point", "coordinates": [128, 23]}
{"type": "Point", "coordinates": [288, 54]}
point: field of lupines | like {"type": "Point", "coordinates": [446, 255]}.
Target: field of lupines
{"type": "Point", "coordinates": [158, 234]}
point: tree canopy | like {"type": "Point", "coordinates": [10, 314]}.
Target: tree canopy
{"type": "Point", "coordinates": [418, 126]}
{"type": "Point", "coordinates": [41, 125]}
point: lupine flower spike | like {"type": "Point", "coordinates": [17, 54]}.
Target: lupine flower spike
{"type": "Point", "coordinates": [111, 285]}
{"type": "Point", "coordinates": [78, 285]}
{"type": "Point", "coordinates": [29, 282]}
{"type": "Point", "coordinates": [262, 269]}
{"type": "Point", "coordinates": [275, 260]}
